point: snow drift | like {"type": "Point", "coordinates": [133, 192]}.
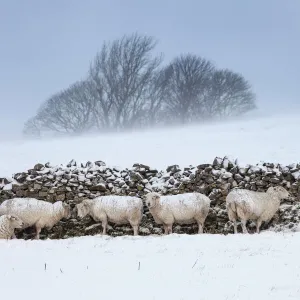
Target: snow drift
{"type": "Point", "coordinates": [234, 267]}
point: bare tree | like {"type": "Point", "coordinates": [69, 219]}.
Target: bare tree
{"type": "Point", "coordinates": [122, 73]}
{"type": "Point", "coordinates": [228, 94]}
{"type": "Point", "coordinates": [32, 128]}
{"type": "Point", "coordinates": [189, 76]}
{"type": "Point", "coordinates": [155, 107]}
{"type": "Point", "coordinates": [69, 111]}
{"type": "Point", "coordinates": [126, 88]}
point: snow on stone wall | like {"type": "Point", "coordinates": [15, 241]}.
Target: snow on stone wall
{"type": "Point", "coordinates": [74, 182]}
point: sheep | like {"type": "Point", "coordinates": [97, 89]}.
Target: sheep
{"type": "Point", "coordinates": [36, 213]}
{"type": "Point", "coordinates": [116, 209]}
{"type": "Point", "coordinates": [185, 208]}
{"type": "Point", "coordinates": [8, 224]}
{"type": "Point", "coordinates": [255, 206]}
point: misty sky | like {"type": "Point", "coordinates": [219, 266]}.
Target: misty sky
{"type": "Point", "coordinates": [47, 45]}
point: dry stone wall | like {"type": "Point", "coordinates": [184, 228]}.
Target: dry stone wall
{"type": "Point", "coordinates": [74, 182]}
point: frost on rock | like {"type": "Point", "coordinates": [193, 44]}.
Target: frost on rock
{"type": "Point", "coordinates": [296, 175]}
{"type": "Point", "coordinates": [77, 181]}
{"type": "Point", "coordinates": [226, 175]}
{"type": "Point", "coordinates": [7, 187]}
{"type": "Point", "coordinates": [217, 162]}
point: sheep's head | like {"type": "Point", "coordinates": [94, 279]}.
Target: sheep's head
{"type": "Point", "coordinates": [15, 221]}
{"type": "Point", "coordinates": [152, 199]}
{"type": "Point", "coordinates": [83, 209]}
{"type": "Point", "coordinates": [280, 191]}
{"type": "Point", "coordinates": [67, 210]}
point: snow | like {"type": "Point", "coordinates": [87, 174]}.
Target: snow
{"type": "Point", "coordinates": [264, 266]}
{"type": "Point", "coordinates": [179, 202]}
{"type": "Point", "coordinates": [240, 267]}
{"type": "Point", "coordinates": [271, 139]}
{"type": "Point", "coordinates": [7, 187]}
{"type": "Point", "coordinates": [296, 175]}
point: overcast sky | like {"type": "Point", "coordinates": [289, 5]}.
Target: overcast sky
{"type": "Point", "coordinates": [47, 45]}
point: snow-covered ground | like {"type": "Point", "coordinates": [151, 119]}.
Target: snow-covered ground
{"type": "Point", "coordinates": [264, 266]}
{"type": "Point", "coordinates": [272, 139]}
{"type": "Point", "coordinates": [240, 267]}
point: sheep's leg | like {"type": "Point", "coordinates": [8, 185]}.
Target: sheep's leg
{"type": "Point", "coordinates": [200, 227]}
{"type": "Point", "coordinates": [258, 224]}
{"type": "Point", "coordinates": [104, 226]}
{"type": "Point", "coordinates": [170, 229]}
{"type": "Point", "coordinates": [135, 226]}
{"type": "Point", "coordinates": [135, 230]}
{"type": "Point", "coordinates": [165, 229]}
{"type": "Point", "coordinates": [244, 226]}
{"type": "Point", "coordinates": [13, 236]}
{"type": "Point", "coordinates": [232, 215]}
{"type": "Point", "coordinates": [38, 230]}
{"type": "Point", "coordinates": [104, 222]}
{"type": "Point", "coordinates": [235, 227]}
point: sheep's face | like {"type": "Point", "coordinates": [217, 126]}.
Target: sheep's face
{"type": "Point", "coordinates": [152, 199]}
{"type": "Point", "coordinates": [67, 211]}
{"type": "Point", "coordinates": [281, 191]}
{"type": "Point", "coordinates": [82, 209]}
{"type": "Point", "coordinates": [15, 221]}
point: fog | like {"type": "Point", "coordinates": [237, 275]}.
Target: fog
{"type": "Point", "coordinates": [46, 46]}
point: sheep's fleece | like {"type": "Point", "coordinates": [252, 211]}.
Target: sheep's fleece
{"type": "Point", "coordinates": [253, 205]}
{"type": "Point", "coordinates": [182, 209]}
{"type": "Point", "coordinates": [36, 212]}
{"type": "Point", "coordinates": [8, 224]}
{"type": "Point", "coordinates": [115, 209]}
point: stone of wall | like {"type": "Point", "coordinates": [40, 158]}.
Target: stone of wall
{"type": "Point", "coordinates": [74, 182]}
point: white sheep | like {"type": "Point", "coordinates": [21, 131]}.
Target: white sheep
{"type": "Point", "coordinates": [185, 208]}
{"type": "Point", "coordinates": [8, 224]}
{"type": "Point", "coordinates": [256, 206]}
{"type": "Point", "coordinates": [35, 212]}
{"type": "Point", "coordinates": [116, 209]}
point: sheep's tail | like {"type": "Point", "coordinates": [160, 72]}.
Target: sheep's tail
{"type": "Point", "coordinates": [231, 210]}
{"type": "Point", "coordinates": [231, 205]}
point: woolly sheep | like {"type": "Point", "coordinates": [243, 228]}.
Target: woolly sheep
{"type": "Point", "coordinates": [35, 212]}
{"type": "Point", "coordinates": [185, 208]}
{"type": "Point", "coordinates": [116, 209]}
{"type": "Point", "coordinates": [255, 206]}
{"type": "Point", "coordinates": [8, 224]}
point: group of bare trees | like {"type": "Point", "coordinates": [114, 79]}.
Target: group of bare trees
{"type": "Point", "coordinates": [129, 87]}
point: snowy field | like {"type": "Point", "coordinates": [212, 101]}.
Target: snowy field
{"type": "Point", "coordinates": [215, 267]}
{"type": "Point", "coordinates": [272, 139]}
